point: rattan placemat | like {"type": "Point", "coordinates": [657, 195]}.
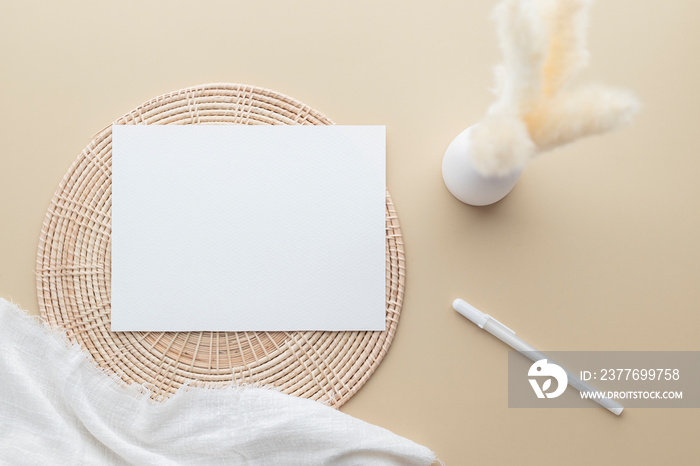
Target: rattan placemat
{"type": "Point", "coordinates": [74, 263]}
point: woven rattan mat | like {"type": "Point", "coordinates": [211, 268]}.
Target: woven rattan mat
{"type": "Point", "coordinates": [74, 263]}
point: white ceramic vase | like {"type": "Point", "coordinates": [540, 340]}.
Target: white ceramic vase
{"type": "Point", "coordinates": [465, 183]}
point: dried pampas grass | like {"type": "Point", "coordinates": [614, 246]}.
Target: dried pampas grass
{"type": "Point", "coordinates": [544, 47]}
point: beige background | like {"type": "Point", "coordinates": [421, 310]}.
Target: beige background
{"type": "Point", "coordinates": [595, 249]}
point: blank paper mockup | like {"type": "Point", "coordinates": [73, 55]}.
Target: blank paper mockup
{"type": "Point", "coordinates": [248, 228]}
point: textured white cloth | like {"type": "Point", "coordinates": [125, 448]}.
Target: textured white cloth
{"type": "Point", "coordinates": [57, 407]}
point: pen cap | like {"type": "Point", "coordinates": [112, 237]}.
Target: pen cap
{"type": "Point", "coordinates": [470, 312]}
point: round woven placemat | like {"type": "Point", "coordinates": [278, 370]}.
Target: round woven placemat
{"type": "Point", "coordinates": [74, 263]}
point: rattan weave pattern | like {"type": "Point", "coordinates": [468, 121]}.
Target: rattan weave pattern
{"type": "Point", "coordinates": [74, 263]}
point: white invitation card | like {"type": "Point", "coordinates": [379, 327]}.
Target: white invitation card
{"type": "Point", "coordinates": [248, 228]}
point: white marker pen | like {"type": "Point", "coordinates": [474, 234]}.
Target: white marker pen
{"type": "Point", "coordinates": [507, 336]}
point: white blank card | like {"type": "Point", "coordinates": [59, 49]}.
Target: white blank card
{"type": "Point", "coordinates": [248, 228]}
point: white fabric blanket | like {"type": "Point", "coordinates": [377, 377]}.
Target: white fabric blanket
{"type": "Point", "coordinates": [57, 407]}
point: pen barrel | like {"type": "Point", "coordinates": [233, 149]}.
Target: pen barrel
{"type": "Point", "coordinates": [585, 387]}
{"type": "Point", "coordinates": [509, 337]}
